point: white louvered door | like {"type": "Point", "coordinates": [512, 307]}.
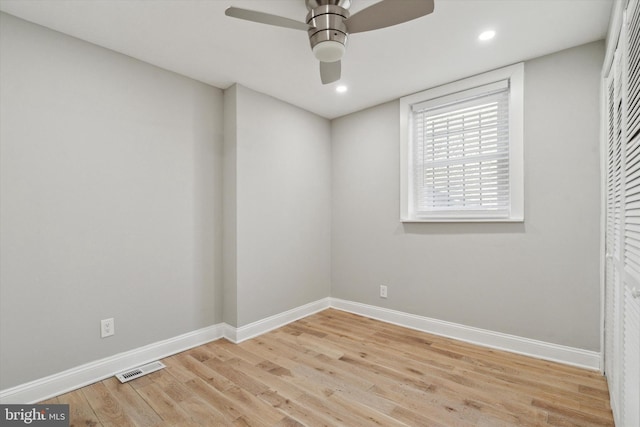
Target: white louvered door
{"type": "Point", "coordinates": [630, 411]}
{"type": "Point", "coordinates": [631, 360]}
{"type": "Point", "coordinates": [622, 238]}
{"type": "Point", "coordinates": [610, 273]}
{"type": "Point", "coordinates": [614, 265]}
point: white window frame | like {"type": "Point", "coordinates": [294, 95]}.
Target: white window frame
{"type": "Point", "coordinates": [514, 74]}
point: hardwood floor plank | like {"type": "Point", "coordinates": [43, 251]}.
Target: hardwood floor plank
{"type": "Point", "coordinates": [289, 422]}
{"type": "Point", "coordinates": [106, 406]}
{"type": "Point", "coordinates": [203, 413]}
{"type": "Point", "coordinates": [80, 411]}
{"type": "Point", "coordinates": [294, 410]}
{"type": "Point", "coordinates": [168, 409]}
{"type": "Point", "coordinates": [254, 409]}
{"type": "Point", "coordinates": [204, 372]}
{"type": "Point", "coordinates": [177, 370]}
{"type": "Point", "coordinates": [214, 398]}
{"type": "Point", "coordinates": [370, 414]}
{"type": "Point", "coordinates": [170, 385]}
{"type": "Point", "coordinates": [580, 416]}
{"type": "Point", "coordinates": [335, 412]}
{"type": "Point", "coordinates": [237, 377]}
{"type": "Point", "coordinates": [269, 376]}
{"type": "Point", "coordinates": [131, 402]}
{"type": "Point", "coordinates": [413, 418]}
{"type": "Point", "coordinates": [237, 351]}
{"type": "Point", "coordinates": [339, 369]}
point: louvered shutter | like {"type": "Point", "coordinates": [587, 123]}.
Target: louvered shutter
{"type": "Point", "coordinates": [622, 240]}
{"type": "Point", "coordinates": [610, 231]}
{"type": "Point", "coordinates": [614, 220]}
{"type": "Point", "coordinates": [631, 361]}
{"type": "Point", "coordinates": [630, 343]}
{"type": "Point", "coordinates": [633, 73]}
{"type": "Point", "coordinates": [461, 154]}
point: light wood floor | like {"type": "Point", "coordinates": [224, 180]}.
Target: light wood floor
{"type": "Point", "coordinates": [339, 369]}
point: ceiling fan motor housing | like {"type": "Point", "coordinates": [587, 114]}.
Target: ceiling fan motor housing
{"type": "Point", "coordinates": [328, 35]}
{"type": "Point", "coordinates": [312, 4]}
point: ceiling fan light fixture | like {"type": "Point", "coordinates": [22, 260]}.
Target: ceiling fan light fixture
{"type": "Point", "coordinates": [329, 51]}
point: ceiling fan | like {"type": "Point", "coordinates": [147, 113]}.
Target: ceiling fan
{"type": "Point", "coordinates": [329, 23]}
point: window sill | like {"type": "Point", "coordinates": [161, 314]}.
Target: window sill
{"type": "Point", "coordinates": [453, 220]}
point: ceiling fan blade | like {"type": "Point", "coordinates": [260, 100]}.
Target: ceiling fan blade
{"type": "Point", "coordinates": [387, 13]}
{"type": "Point", "coordinates": [330, 72]}
{"type": "Point", "coordinates": [266, 18]}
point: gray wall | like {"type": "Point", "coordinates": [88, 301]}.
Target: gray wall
{"type": "Point", "coordinates": [281, 197]}
{"type": "Point", "coordinates": [111, 189]}
{"type": "Point", "coordinates": [229, 209]}
{"type": "Point", "coordinates": [538, 279]}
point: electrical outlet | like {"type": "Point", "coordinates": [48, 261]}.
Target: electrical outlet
{"type": "Point", "coordinates": [383, 291]}
{"type": "Point", "coordinates": [107, 327]}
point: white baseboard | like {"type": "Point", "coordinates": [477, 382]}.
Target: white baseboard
{"type": "Point", "coordinates": [252, 330]}
{"type": "Point", "coordinates": [90, 373]}
{"type": "Point", "coordinates": [74, 378]}
{"type": "Point", "coordinates": [514, 344]}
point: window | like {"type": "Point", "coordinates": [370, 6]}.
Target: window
{"type": "Point", "coordinates": [461, 150]}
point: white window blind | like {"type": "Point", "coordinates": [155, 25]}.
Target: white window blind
{"type": "Point", "coordinates": [461, 154]}
{"type": "Point", "coordinates": [462, 150]}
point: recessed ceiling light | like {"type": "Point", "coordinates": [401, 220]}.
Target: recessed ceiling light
{"type": "Point", "coordinates": [341, 89]}
{"type": "Point", "coordinates": [486, 35]}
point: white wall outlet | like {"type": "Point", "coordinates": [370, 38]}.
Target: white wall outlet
{"type": "Point", "coordinates": [107, 327]}
{"type": "Point", "coordinates": [383, 291]}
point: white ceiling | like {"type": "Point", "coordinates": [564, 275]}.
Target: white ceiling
{"type": "Point", "coordinates": [196, 39]}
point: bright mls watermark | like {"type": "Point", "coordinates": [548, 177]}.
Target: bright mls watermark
{"type": "Point", "coordinates": [34, 415]}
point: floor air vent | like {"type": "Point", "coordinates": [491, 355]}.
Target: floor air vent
{"type": "Point", "coordinates": [140, 371]}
